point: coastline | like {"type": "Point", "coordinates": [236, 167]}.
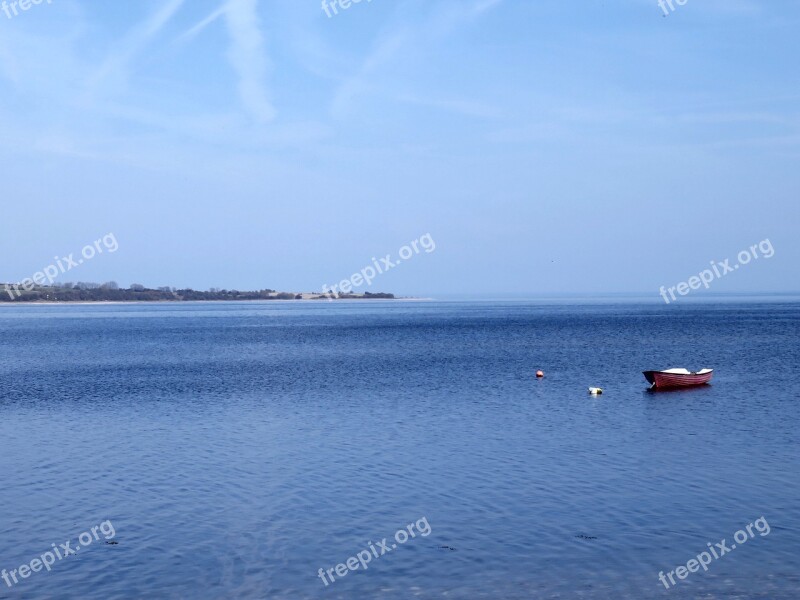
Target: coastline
{"type": "Point", "coordinates": [94, 294]}
{"type": "Point", "coordinates": [181, 302]}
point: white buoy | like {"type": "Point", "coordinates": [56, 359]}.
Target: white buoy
{"type": "Point", "coordinates": [595, 391]}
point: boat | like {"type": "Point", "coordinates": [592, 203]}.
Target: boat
{"type": "Point", "coordinates": [676, 378]}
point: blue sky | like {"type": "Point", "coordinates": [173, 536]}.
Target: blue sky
{"type": "Point", "coordinates": [546, 146]}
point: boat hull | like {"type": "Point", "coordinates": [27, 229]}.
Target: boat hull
{"type": "Point", "coordinates": [662, 380]}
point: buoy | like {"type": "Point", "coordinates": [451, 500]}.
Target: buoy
{"type": "Point", "coordinates": [540, 373]}
{"type": "Point", "coordinates": [594, 391]}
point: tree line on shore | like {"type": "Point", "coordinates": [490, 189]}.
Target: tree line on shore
{"type": "Point", "coordinates": [112, 292]}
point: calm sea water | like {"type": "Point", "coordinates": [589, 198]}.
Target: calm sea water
{"type": "Point", "coordinates": [239, 448]}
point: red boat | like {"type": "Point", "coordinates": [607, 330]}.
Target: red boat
{"type": "Point", "coordinates": [675, 378]}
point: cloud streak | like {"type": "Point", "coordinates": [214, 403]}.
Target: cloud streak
{"type": "Point", "coordinates": [136, 41]}
{"type": "Point", "coordinates": [445, 18]}
{"type": "Point", "coordinates": [248, 57]}
{"type": "Point", "coordinates": [197, 29]}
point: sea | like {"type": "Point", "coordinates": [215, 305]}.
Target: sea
{"type": "Point", "coordinates": [400, 449]}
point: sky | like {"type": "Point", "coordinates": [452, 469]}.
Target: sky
{"type": "Point", "coordinates": [545, 146]}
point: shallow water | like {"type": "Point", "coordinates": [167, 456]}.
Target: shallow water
{"type": "Point", "coordinates": [239, 448]}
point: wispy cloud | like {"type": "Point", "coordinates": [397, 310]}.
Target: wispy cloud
{"type": "Point", "coordinates": [484, 5]}
{"type": "Point", "coordinates": [460, 106]}
{"type": "Point", "coordinates": [445, 17]}
{"type": "Point", "coordinates": [192, 32]}
{"type": "Point", "coordinates": [248, 56]}
{"type": "Point", "coordinates": [358, 83]}
{"type": "Point", "coordinates": [135, 41]}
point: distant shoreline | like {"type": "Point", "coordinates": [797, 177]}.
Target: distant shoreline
{"type": "Point", "coordinates": [11, 294]}
{"type": "Point", "coordinates": [181, 302]}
